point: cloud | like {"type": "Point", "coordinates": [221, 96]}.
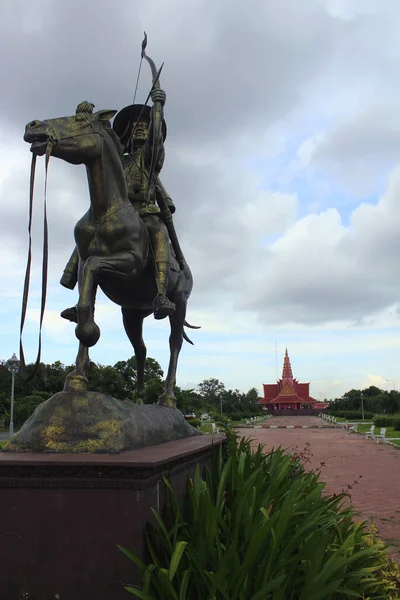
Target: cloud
{"type": "Point", "coordinates": [358, 150]}
{"type": "Point", "coordinates": [321, 270]}
{"type": "Point", "coordinates": [377, 381]}
{"type": "Point", "coordinates": [59, 329]}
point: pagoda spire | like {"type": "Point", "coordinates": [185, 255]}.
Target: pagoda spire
{"type": "Point", "coordinates": [287, 367]}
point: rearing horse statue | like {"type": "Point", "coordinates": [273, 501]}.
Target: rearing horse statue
{"type": "Point", "coordinates": [112, 244]}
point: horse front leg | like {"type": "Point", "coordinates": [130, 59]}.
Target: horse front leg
{"type": "Point", "coordinates": [95, 267]}
{"type": "Point", "coordinates": [77, 380]}
{"type": "Point", "coordinates": [177, 320]}
{"type": "Point", "coordinates": [87, 331]}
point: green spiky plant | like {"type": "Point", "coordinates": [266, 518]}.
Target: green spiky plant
{"type": "Point", "coordinates": [256, 527]}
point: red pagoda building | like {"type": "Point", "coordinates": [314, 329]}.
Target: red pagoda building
{"type": "Point", "coordinates": [288, 393]}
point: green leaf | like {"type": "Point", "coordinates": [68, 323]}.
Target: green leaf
{"type": "Point", "coordinates": [132, 557]}
{"type": "Point", "coordinates": [184, 585]}
{"type": "Point", "coordinates": [163, 528]}
{"type": "Point", "coordinates": [138, 593]}
{"type": "Point", "coordinates": [176, 558]}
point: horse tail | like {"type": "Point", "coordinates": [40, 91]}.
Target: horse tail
{"type": "Point", "coordinates": [191, 326]}
{"type": "Point", "coordinates": [185, 337]}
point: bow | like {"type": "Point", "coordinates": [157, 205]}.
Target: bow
{"type": "Point", "coordinates": [157, 110]}
{"type": "Point", "coordinates": [157, 133]}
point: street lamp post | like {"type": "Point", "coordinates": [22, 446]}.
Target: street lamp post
{"type": "Point", "coordinates": [13, 366]}
{"type": "Point", "coordinates": [394, 384]}
{"type": "Point", "coordinates": [362, 405]}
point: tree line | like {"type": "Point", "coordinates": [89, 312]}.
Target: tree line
{"type": "Point", "coordinates": [119, 381]}
{"type": "Point", "coordinates": [374, 400]}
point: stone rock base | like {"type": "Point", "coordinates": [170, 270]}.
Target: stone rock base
{"type": "Point", "coordinates": [90, 422]}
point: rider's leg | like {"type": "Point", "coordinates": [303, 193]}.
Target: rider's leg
{"type": "Point", "coordinates": [159, 240]}
{"type": "Point", "coordinates": [68, 280]}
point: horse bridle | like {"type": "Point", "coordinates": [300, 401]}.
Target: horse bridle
{"type": "Point", "coordinates": [54, 137]}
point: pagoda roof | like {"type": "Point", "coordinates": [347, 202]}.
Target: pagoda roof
{"type": "Point", "coordinates": [287, 389]}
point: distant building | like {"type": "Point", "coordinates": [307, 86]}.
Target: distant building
{"type": "Point", "coordinates": [288, 393]}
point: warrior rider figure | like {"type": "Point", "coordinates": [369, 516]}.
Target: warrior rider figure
{"type": "Point", "coordinates": [134, 125]}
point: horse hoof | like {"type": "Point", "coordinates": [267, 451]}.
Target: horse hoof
{"type": "Point", "coordinates": [167, 400]}
{"type": "Point", "coordinates": [75, 382]}
{"type": "Point", "coordinates": [88, 334]}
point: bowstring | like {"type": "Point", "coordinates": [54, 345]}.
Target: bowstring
{"type": "Point", "coordinates": [133, 102]}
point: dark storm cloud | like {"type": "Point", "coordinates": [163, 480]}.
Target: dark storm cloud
{"type": "Point", "coordinates": [226, 67]}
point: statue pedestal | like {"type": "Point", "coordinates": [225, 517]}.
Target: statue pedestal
{"type": "Point", "coordinates": [62, 516]}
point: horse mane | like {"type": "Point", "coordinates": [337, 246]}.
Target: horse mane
{"type": "Point", "coordinates": [115, 138]}
{"type": "Point", "coordinates": [87, 107]}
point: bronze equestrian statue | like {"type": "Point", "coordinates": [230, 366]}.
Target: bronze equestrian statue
{"type": "Point", "coordinates": [122, 241]}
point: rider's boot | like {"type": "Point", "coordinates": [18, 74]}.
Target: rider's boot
{"type": "Point", "coordinates": [69, 280]}
{"type": "Point", "coordinates": [70, 314]}
{"type": "Point", "coordinates": [162, 306]}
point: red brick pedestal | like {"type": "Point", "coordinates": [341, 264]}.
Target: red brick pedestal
{"type": "Point", "coordinates": [62, 516]}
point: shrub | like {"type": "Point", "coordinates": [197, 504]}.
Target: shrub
{"type": "Point", "coordinates": [222, 420]}
{"type": "Point", "coordinates": [237, 416]}
{"type": "Point", "coordinates": [389, 572]}
{"type": "Point", "coordinates": [267, 533]}
{"type": "Point", "coordinates": [384, 421]}
{"type": "Point", "coordinates": [396, 422]}
{"type": "Point", "coordinates": [24, 407]}
{"type": "Point", "coordinates": [194, 422]}
{"type": "Point", "coordinates": [350, 414]}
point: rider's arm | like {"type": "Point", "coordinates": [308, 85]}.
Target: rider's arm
{"type": "Point", "coordinates": [161, 191]}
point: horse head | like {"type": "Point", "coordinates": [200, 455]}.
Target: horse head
{"type": "Point", "coordinates": [77, 139]}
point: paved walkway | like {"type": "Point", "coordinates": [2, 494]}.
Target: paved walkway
{"type": "Point", "coordinates": [296, 422]}
{"type": "Point", "coordinates": [342, 459]}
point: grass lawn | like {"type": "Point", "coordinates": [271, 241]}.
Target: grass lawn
{"type": "Point", "coordinates": [390, 432]}
{"type": "Point", "coordinates": [343, 420]}
{"type": "Point", "coordinates": [205, 428]}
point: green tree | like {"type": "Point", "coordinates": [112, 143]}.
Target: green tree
{"type": "Point", "coordinates": [211, 390]}
{"type": "Point", "coordinates": [189, 401]}
{"type": "Point", "coordinates": [231, 401]}
{"type": "Point", "coordinates": [24, 407]}
{"type": "Point", "coordinates": [128, 371]}
{"type": "Point", "coordinates": [107, 380]}
{"type": "Point", "coordinates": [54, 376]}
{"type": "Point", "coordinates": [375, 400]}
{"type": "Point", "coordinates": [252, 396]}
{"type": "Point", "coordinates": [154, 389]}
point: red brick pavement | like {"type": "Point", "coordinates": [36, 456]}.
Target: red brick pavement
{"type": "Point", "coordinates": [347, 457]}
